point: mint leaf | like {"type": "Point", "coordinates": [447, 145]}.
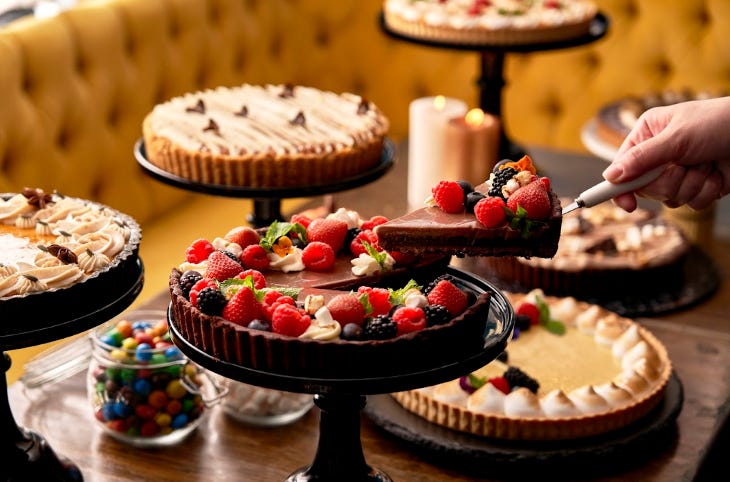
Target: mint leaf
{"type": "Point", "coordinates": [398, 297]}
{"type": "Point", "coordinates": [556, 327]}
{"type": "Point", "coordinates": [476, 382]}
{"type": "Point", "coordinates": [378, 256]}
{"type": "Point", "coordinates": [278, 229]}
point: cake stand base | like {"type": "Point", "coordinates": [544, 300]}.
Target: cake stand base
{"type": "Point", "coordinates": [27, 455]}
{"type": "Point", "coordinates": [339, 452]}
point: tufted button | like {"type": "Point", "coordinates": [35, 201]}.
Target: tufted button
{"type": "Point", "coordinates": [629, 9]}
{"type": "Point", "coordinates": [592, 60]}
{"type": "Point", "coordinates": [275, 46]}
{"type": "Point", "coordinates": [322, 34]}
{"type": "Point", "coordinates": [662, 67]}
{"type": "Point", "coordinates": [702, 16]}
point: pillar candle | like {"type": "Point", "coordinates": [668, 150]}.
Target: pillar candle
{"type": "Point", "coordinates": [473, 146]}
{"type": "Point", "coordinates": [427, 121]}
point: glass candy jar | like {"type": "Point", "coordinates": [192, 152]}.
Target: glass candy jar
{"type": "Point", "coordinates": [142, 389]}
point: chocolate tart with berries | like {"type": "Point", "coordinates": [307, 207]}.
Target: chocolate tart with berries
{"type": "Point", "coordinates": [513, 213]}
{"type": "Point", "coordinates": [572, 370]}
{"type": "Point", "coordinates": [349, 310]}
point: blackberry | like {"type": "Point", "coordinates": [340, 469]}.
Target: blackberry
{"type": "Point", "coordinates": [471, 200]}
{"type": "Point", "coordinates": [188, 280]}
{"type": "Point", "coordinates": [211, 301]}
{"type": "Point", "coordinates": [436, 315]}
{"type": "Point", "coordinates": [517, 378]}
{"type": "Point", "coordinates": [500, 179]}
{"type": "Point", "coordinates": [381, 327]}
{"type": "Point", "coordinates": [427, 289]}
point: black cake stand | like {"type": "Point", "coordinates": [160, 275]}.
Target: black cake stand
{"type": "Point", "coordinates": [491, 56]}
{"type": "Point", "coordinates": [47, 317]}
{"type": "Point", "coordinates": [339, 456]}
{"type": "Point", "coordinates": [267, 200]}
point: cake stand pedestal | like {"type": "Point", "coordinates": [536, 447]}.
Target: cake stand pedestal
{"type": "Point", "coordinates": [267, 200]}
{"type": "Point", "coordinates": [27, 455]}
{"type": "Point", "coordinates": [491, 59]}
{"type": "Point", "coordinates": [339, 456]}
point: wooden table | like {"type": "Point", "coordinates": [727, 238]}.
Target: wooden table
{"type": "Point", "coordinates": [222, 449]}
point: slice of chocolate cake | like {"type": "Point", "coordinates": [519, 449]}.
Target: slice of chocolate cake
{"type": "Point", "coordinates": [513, 213]}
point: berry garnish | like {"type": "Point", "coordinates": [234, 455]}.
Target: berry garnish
{"type": "Point", "coordinates": [449, 196]}
{"type": "Point", "coordinates": [501, 384]}
{"type": "Point", "coordinates": [346, 308]}
{"type": "Point", "coordinates": [211, 301]}
{"type": "Point", "coordinates": [517, 378]}
{"type": "Point", "coordinates": [447, 294]}
{"type": "Point", "coordinates": [259, 281]}
{"type": "Point", "coordinates": [351, 331]}
{"type": "Point", "coordinates": [499, 179]}
{"type": "Point", "coordinates": [221, 266]}
{"type": "Point", "coordinates": [529, 310]}
{"type": "Point", "coordinates": [379, 299]}
{"type": "Point", "coordinates": [534, 199]}
{"type": "Point", "coordinates": [318, 256]}
{"type": "Point", "coordinates": [242, 236]}
{"type": "Point", "coordinates": [188, 280]}
{"type": "Point", "coordinates": [490, 211]}
{"type": "Point", "coordinates": [373, 221]}
{"type": "Point", "coordinates": [198, 287]}
{"type": "Point", "coordinates": [471, 200]}
{"type": "Point", "coordinates": [380, 327]}
{"type": "Point", "coordinates": [409, 319]}
{"type": "Point", "coordinates": [243, 307]}
{"type": "Point", "coordinates": [436, 315]}
{"type": "Point", "coordinates": [255, 257]}
{"type": "Point", "coordinates": [289, 320]}
{"type": "Point", "coordinates": [261, 325]}
{"type": "Point", "coordinates": [356, 246]}
{"type": "Point", "coordinates": [199, 251]}
{"type": "Point", "coordinates": [328, 230]}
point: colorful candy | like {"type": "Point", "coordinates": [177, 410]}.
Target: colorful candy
{"type": "Point", "coordinates": [136, 381]}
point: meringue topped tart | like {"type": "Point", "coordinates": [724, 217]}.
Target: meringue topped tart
{"type": "Point", "coordinates": [578, 371]}
{"type": "Point", "coordinates": [50, 241]}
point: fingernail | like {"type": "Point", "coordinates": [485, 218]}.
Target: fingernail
{"type": "Point", "coordinates": [613, 172]}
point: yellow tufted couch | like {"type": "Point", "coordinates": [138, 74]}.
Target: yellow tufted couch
{"type": "Point", "coordinates": [75, 88]}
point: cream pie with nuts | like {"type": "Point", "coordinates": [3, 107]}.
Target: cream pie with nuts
{"type": "Point", "coordinates": [276, 136]}
{"type": "Point", "coordinates": [572, 370]}
{"type": "Point", "coordinates": [50, 242]}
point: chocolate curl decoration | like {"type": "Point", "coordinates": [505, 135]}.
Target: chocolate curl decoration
{"type": "Point", "coordinates": [299, 120]}
{"type": "Point", "coordinates": [287, 92]}
{"type": "Point", "coordinates": [212, 126]}
{"type": "Point", "coordinates": [64, 255]}
{"type": "Point", "coordinates": [36, 197]}
{"type": "Point", "coordinates": [198, 108]}
{"type": "Point", "coordinates": [364, 107]}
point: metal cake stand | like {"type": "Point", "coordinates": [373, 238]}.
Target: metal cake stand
{"type": "Point", "coordinates": [339, 456]}
{"type": "Point", "coordinates": [26, 454]}
{"type": "Point", "coordinates": [491, 58]}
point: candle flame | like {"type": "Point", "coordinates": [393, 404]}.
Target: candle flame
{"type": "Point", "coordinates": [439, 102]}
{"type": "Point", "coordinates": [474, 117]}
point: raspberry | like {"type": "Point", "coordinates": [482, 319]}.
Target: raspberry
{"type": "Point", "coordinates": [373, 221]}
{"type": "Point", "coordinates": [356, 246]}
{"type": "Point", "coordinates": [409, 319]}
{"type": "Point", "coordinates": [449, 196]}
{"type": "Point", "coordinates": [259, 282]}
{"type": "Point", "coordinates": [490, 211]}
{"type": "Point", "coordinates": [328, 230]}
{"type": "Point", "coordinates": [436, 281]}
{"type": "Point", "coordinates": [255, 257]}
{"type": "Point", "coordinates": [301, 219]}
{"type": "Point", "coordinates": [318, 256]}
{"type": "Point", "coordinates": [530, 310]}
{"type": "Point", "coordinates": [346, 308]}
{"type": "Point", "coordinates": [199, 251]}
{"type": "Point", "coordinates": [379, 299]}
{"type": "Point", "coordinates": [379, 328]}
{"type": "Point", "coordinates": [501, 384]}
{"type": "Point", "coordinates": [446, 294]}
{"type": "Point", "coordinates": [288, 320]}
{"type": "Point", "coordinates": [221, 266]}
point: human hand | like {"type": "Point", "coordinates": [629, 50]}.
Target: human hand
{"type": "Point", "coordinates": [692, 139]}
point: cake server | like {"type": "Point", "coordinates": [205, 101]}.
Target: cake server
{"type": "Point", "coordinates": [603, 191]}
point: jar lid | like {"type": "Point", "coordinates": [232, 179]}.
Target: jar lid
{"type": "Point", "coordinates": [57, 363]}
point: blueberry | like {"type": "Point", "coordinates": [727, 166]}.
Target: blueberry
{"type": "Point", "coordinates": [351, 331]}
{"type": "Point", "coordinates": [472, 199]}
{"type": "Point", "coordinates": [257, 324]}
